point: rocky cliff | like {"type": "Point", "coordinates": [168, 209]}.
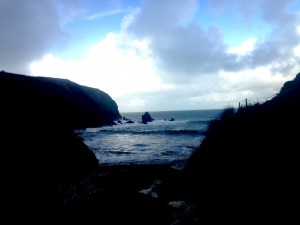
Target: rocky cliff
{"type": "Point", "coordinates": [245, 169]}
{"type": "Point", "coordinates": [56, 101]}
{"type": "Point", "coordinates": [40, 153]}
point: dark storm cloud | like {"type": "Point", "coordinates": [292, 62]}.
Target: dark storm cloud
{"type": "Point", "coordinates": [180, 45]}
{"type": "Point", "coordinates": [28, 29]}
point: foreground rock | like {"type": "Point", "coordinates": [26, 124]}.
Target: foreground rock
{"type": "Point", "coordinates": [39, 150]}
{"type": "Point", "coordinates": [124, 194]}
{"type": "Point", "coordinates": [245, 169]}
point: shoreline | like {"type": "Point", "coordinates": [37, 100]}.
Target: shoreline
{"type": "Point", "coordinates": [175, 164]}
{"type": "Point", "coordinates": [134, 194]}
{"type": "Point", "coordinates": [129, 177]}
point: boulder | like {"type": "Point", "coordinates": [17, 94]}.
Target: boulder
{"type": "Point", "coordinates": [146, 118]}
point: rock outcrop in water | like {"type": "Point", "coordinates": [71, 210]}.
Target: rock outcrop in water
{"type": "Point", "coordinates": [146, 117]}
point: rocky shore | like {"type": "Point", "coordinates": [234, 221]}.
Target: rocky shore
{"type": "Point", "coordinates": [129, 194]}
{"type": "Point", "coordinates": [49, 174]}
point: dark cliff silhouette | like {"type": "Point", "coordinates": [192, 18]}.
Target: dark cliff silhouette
{"type": "Point", "coordinates": [59, 101]}
{"type": "Point", "coordinates": [247, 166]}
{"type": "Point", "coordinates": [39, 150]}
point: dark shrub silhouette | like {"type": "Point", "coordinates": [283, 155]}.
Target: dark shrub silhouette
{"type": "Point", "coordinates": [227, 113]}
{"type": "Point", "coordinates": [245, 168]}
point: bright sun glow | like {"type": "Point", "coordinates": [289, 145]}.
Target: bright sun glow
{"type": "Point", "coordinates": [118, 70]}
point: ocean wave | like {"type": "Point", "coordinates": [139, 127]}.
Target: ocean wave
{"type": "Point", "coordinates": [161, 141]}
{"type": "Point", "coordinates": [151, 132]}
{"type": "Point", "coordinates": [184, 132]}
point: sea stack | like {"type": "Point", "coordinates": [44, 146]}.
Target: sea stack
{"type": "Point", "coordinates": [146, 118]}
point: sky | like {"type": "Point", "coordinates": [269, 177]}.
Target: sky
{"type": "Point", "coordinates": [157, 55]}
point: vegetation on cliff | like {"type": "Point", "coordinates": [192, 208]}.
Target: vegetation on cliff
{"type": "Point", "coordinates": [245, 169]}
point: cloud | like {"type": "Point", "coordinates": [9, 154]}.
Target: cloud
{"type": "Point", "coordinates": [277, 48]}
{"type": "Point", "coordinates": [178, 43]}
{"type": "Point", "coordinates": [28, 30]}
{"type": "Point", "coordinates": [281, 41]}
{"type": "Point", "coordinates": [243, 49]}
{"type": "Point", "coordinates": [182, 47]}
{"type": "Point", "coordinates": [163, 59]}
{"type": "Point", "coordinates": [116, 67]}
{"type": "Point", "coordinates": [155, 18]}
{"type": "Point", "coordinates": [107, 13]}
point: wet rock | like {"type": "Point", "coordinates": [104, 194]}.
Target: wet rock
{"type": "Point", "coordinates": [146, 118]}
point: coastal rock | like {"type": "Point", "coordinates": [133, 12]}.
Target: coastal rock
{"type": "Point", "coordinates": [57, 100]}
{"type": "Point", "coordinates": [40, 152]}
{"type": "Point", "coordinates": [146, 118]}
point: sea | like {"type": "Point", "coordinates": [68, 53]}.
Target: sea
{"type": "Point", "coordinates": [169, 139]}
